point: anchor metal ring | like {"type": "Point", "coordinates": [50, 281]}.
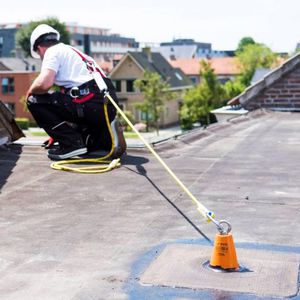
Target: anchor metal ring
{"type": "Point", "coordinates": [222, 229]}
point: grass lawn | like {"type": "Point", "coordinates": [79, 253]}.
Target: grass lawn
{"type": "Point", "coordinates": [129, 135]}
{"type": "Point", "coordinates": [38, 133]}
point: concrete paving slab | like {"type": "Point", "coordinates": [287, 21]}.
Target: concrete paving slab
{"type": "Point", "coordinates": [181, 266]}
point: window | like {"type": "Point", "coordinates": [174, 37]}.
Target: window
{"type": "Point", "coordinates": [194, 79]}
{"type": "Point", "coordinates": [146, 116]}
{"type": "Point", "coordinates": [8, 85]}
{"type": "Point", "coordinates": [117, 84]}
{"type": "Point", "coordinates": [178, 76]}
{"type": "Point", "coordinates": [79, 42]}
{"type": "Point", "coordinates": [129, 86]}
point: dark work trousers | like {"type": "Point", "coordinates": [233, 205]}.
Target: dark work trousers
{"type": "Point", "coordinates": [73, 124]}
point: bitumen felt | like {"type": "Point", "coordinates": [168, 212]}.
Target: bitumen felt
{"type": "Point", "coordinates": [83, 236]}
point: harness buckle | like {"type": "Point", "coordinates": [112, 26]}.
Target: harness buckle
{"type": "Point", "coordinates": [74, 92]}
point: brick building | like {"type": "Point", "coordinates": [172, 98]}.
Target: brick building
{"type": "Point", "coordinates": [14, 86]}
{"type": "Point", "coordinates": [277, 90]}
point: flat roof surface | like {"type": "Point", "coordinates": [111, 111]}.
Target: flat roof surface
{"type": "Point", "coordinates": [86, 236]}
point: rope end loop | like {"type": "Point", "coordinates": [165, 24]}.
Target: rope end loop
{"type": "Point", "coordinates": [114, 164]}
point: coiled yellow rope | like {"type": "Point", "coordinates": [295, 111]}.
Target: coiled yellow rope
{"type": "Point", "coordinates": [103, 163]}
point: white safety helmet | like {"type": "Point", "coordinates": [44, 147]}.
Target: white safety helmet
{"type": "Point", "coordinates": [40, 30]}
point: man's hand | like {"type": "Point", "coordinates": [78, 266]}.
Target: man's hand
{"type": "Point", "coordinates": [28, 94]}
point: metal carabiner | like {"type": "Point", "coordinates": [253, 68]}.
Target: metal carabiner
{"type": "Point", "coordinates": [219, 224]}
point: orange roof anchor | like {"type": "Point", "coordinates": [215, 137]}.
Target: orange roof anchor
{"type": "Point", "coordinates": [224, 258]}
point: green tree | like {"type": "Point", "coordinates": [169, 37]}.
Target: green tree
{"type": "Point", "coordinates": [23, 35]}
{"type": "Point", "coordinates": [250, 56]}
{"type": "Point", "coordinates": [200, 100]}
{"type": "Point", "coordinates": [155, 92]}
{"type": "Point", "coordinates": [253, 56]}
{"type": "Point", "coordinates": [245, 41]}
{"type": "Point", "coordinates": [233, 88]}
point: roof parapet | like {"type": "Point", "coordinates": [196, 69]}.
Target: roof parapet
{"type": "Point", "coordinates": [266, 81]}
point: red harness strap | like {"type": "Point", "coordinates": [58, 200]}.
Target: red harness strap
{"type": "Point", "coordinates": [83, 99]}
{"type": "Point", "coordinates": [88, 62]}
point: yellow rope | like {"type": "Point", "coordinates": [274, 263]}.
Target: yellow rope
{"type": "Point", "coordinates": [201, 208]}
{"type": "Point", "coordinates": [104, 165]}
{"type": "Point", "coordinates": [107, 165]}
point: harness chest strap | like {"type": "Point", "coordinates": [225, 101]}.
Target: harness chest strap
{"type": "Point", "coordinates": [89, 63]}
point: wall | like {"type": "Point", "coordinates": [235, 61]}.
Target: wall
{"type": "Point", "coordinates": [130, 70]}
{"type": "Point", "coordinates": [22, 81]}
{"type": "Point", "coordinates": [282, 95]}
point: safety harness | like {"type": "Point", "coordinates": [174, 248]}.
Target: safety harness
{"type": "Point", "coordinates": [80, 95]}
{"type": "Point", "coordinates": [87, 90]}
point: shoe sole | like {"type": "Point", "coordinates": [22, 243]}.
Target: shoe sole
{"type": "Point", "coordinates": [68, 155]}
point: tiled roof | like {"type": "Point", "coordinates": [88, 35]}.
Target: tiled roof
{"type": "Point", "coordinates": [157, 63]}
{"type": "Point", "coordinates": [221, 65]}
{"type": "Point", "coordinates": [18, 64]}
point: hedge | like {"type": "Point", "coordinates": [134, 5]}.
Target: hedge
{"type": "Point", "coordinates": [23, 123]}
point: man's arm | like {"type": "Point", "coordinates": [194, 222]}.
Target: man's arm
{"type": "Point", "coordinates": [42, 83]}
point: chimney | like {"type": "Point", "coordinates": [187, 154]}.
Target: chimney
{"type": "Point", "coordinates": [147, 52]}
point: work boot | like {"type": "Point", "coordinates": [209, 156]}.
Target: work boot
{"type": "Point", "coordinates": [63, 152]}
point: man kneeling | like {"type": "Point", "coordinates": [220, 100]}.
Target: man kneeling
{"type": "Point", "coordinates": [74, 116]}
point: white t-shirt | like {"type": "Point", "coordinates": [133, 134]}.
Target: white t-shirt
{"type": "Point", "coordinates": [68, 65]}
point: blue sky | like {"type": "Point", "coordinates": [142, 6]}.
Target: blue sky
{"type": "Point", "coordinates": [223, 23]}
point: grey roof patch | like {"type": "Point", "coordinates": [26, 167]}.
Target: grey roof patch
{"type": "Point", "coordinates": [267, 271]}
{"type": "Point", "coordinates": [259, 74]}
